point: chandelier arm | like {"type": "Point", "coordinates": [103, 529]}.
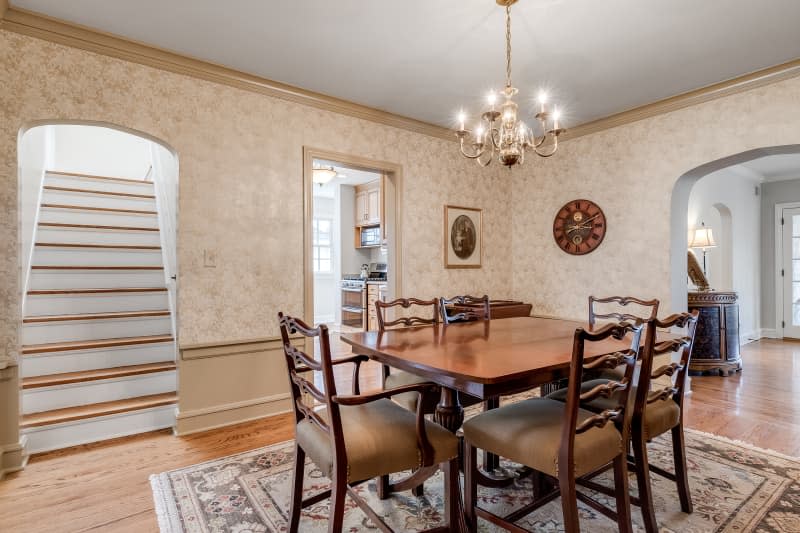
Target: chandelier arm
{"type": "Point", "coordinates": [551, 152]}
{"type": "Point", "coordinates": [477, 154]}
{"type": "Point", "coordinates": [495, 141]}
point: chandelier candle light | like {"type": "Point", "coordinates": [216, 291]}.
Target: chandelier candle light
{"type": "Point", "coordinates": [500, 130]}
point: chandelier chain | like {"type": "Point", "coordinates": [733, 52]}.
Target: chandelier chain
{"type": "Point", "coordinates": [508, 46]}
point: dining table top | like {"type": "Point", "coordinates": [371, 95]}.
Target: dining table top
{"type": "Point", "coordinates": [483, 358]}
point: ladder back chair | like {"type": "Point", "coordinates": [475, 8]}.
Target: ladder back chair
{"type": "Point", "coordinates": [651, 306]}
{"type": "Point", "coordinates": [357, 437]}
{"type": "Point", "coordinates": [657, 409]}
{"type": "Point", "coordinates": [392, 377]}
{"type": "Point", "coordinates": [464, 309]}
{"type": "Point", "coordinates": [562, 440]}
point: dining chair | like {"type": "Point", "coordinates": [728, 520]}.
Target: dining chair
{"type": "Point", "coordinates": [618, 302]}
{"type": "Point", "coordinates": [560, 439]}
{"type": "Point", "coordinates": [464, 309]}
{"type": "Point", "coordinates": [657, 409]}
{"type": "Point", "coordinates": [354, 438]}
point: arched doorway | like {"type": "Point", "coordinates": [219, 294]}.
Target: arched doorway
{"type": "Point", "coordinates": [680, 223]}
{"type": "Point", "coordinates": [98, 229]}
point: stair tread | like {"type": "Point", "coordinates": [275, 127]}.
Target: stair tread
{"type": "Point", "coordinates": [69, 414]}
{"type": "Point", "coordinates": [94, 316]}
{"type": "Point", "coordinates": [95, 267]}
{"type": "Point", "coordinates": [41, 292]}
{"type": "Point", "coordinates": [65, 378]}
{"type": "Point", "coordinates": [95, 191]}
{"type": "Point", "coordinates": [32, 349]}
{"type": "Point", "coordinates": [96, 177]}
{"type": "Point", "coordinates": [98, 246]}
{"type": "Point", "coordinates": [94, 227]}
{"type": "Point", "coordinates": [104, 209]}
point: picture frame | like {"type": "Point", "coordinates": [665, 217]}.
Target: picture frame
{"type": "Point", "coordinates": [463, 237]}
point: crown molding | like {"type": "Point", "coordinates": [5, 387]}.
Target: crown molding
{"type": "Point", "coordinates": [739, 84]}
{"type": "Point", "coordinates": [77, 36]}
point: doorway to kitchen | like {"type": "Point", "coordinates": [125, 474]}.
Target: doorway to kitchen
{"type": "Point", "coordinates": [351, 241]}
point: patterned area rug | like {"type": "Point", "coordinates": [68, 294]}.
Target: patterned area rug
{"type": "Point", "coordinates": [735, 487]}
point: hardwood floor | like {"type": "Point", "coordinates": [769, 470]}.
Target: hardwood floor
{"type": "Point", "coordinates": [104, 486]}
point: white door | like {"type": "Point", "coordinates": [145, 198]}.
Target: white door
{"type": "Point", "coordinates": [791, 272]}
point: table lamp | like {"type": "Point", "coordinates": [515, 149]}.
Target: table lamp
{"type": "Point", "coordinates": [704, 239]}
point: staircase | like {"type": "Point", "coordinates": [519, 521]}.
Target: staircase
{"type": "Point", "coordinates": [98, 354]}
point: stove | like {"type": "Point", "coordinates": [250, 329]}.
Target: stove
{"type": "Point", "coordinates": [354, 295]}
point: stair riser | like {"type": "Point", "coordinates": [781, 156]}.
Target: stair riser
{"type": "Point", "coordinates": [82, 236]}
{"type": "Point", "coordinates": [86, 330]}
{"type": "Point", "coordinates": [90, 279]}
{"type": "Point", "coordinates": [97, 200]}
{"type": "Point", "coordinates": [72, 395]}
{"type": "Point", "coordinates": [78, 361]}
{"type": "Point", "coordinates": [48, 438]}
{"type": "Point", "coordinates": [98, 218]}
{"type": "Point", "coordinates": [62, 304]}
{"type": "Point", "coordinates": [56, 180]}
{"type": "Point", "coordinates": [95, 257]}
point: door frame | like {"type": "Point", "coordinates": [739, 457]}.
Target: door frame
{"type": "Point", "coordinates": [779, 264]}
{"type": "Point", "coordinates": [393, 173]}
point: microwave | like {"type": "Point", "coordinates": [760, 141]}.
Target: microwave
{"type": "Point", "coordinates": [371, 236]}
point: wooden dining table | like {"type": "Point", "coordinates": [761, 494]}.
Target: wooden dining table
{"type": "Point", "coordinates": [485, 359]}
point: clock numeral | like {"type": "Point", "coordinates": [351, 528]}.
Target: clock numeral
{"type": "Point", "coordinates": [578, 205]}
{"type": "Point", "coordinates": [598, 225]}
{"type": "Point", "coordinates": [595, 236]}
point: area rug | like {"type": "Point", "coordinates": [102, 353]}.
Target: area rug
{"type": "Point", "coordinates": [735, 487]}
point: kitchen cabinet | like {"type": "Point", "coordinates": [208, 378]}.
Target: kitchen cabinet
{"type": "Point", "coordinates": [368, 204]}
{"type": "Point", "coordinates": [375, 291]}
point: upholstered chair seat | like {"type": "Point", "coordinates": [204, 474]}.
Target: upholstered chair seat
{"type": "Point", "coordinates": [379, 437]}
{"type": "Point", "coordinates": [529, 432]}
{"type": "Point", "coordinates": [398, 378]}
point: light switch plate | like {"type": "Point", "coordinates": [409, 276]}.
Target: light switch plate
{"type": "Point", "coordinates": [209, 258]}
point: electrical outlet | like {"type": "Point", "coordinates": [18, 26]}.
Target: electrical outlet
{"type": "Point", "coordinates": [209, 258]}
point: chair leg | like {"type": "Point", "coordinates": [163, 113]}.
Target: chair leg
{"type": "Point", "coordinates": [418, 491]}
{"type": "Point", "coordinates": [681, 475]}
{"type": "Point", "coordinates": [643, 481]}
{"type": "Point", "coordinates": [297, 487]}
{"type": "Point", "coordinates": [383, 487]}
{"type": "Point", "coordinates": [623, 498]}
{"type": "Point", "coordinates": [569, 502]}
{"type": "Point", "coordinates": [452, 509]}
{"type": "Point", "coordinates": [470, 486]}
{"type": "Point", "coordinates": [338, 496]}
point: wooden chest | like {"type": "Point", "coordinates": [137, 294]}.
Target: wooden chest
{"type": "Point", "coordinates": [716, 345]}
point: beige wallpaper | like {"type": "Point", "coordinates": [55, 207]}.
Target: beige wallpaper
{"type": "Point", "coordinates": [240, 159]}
{"type": "Point", "coordinates": [630, 172]}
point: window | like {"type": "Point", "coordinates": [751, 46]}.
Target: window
{"type": "Point", "coordinates": [323, 262]}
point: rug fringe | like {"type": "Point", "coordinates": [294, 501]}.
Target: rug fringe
{"type": "Point", "coordinates": [169, 520]}
{"type": "Point", "coordinates": [742, 444]}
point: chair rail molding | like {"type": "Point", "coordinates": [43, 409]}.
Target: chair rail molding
{"type": "Point", "coordinates": [62, 32]}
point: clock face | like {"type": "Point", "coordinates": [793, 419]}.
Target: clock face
{"type": "Point", "coordinates": [579, 227]}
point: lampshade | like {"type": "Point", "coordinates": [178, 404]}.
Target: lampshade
{"type": "Point", "coordinates": [703, 238]}
{"type": "Point", "coordinates": [323, 175]}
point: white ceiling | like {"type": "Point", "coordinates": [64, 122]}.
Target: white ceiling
{"type": "Point", "coordinates": [775, 167]}
{"type": "Point", "coordinates": [345, 176]}
{"type": "Point", "coordinates": [426, 58]}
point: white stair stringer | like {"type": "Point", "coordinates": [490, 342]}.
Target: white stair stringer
{"type": "Point", "coordinates": [54, 437]}
{"type": "Point", "coordinates": [79, 360]}
{"type": "Point", "coordinates": [96, 303]}
{"type": "Point", "coordinates": [102, 390]}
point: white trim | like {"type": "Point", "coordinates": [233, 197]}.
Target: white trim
{"type": "Point", "coordinates": [769, 333]}
{"type": "Point", "coordinates": [779, 264]}
{"type": "Point", "coordinates": [751, 336]}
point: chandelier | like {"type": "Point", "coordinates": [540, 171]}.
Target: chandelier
{"type": "Point", "coordinates": [500, 131]}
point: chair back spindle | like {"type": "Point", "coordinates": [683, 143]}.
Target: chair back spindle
{"type": "Point", "coordinates": [464, 309]}
{"type": "Point", "coordinates": [382, 308]}
{"type": "Point", "coordinates": [620, 314]}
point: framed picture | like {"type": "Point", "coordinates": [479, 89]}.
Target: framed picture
{"type": "Point", "coordinates": [463, 237]}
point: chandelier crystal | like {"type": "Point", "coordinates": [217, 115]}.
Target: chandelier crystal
{"type": "Point", "coordinates": [500, 131]}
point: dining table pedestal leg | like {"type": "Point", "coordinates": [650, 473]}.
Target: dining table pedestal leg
{"type": "Point", "coordinates": [449, 411]}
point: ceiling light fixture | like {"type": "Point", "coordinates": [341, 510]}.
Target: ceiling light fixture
{"type": "Point", "coordinates": [509, 137]}
{"type": "Point", "coordinates": [323, 175]}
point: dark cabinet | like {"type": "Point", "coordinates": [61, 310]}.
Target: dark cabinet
{"type": "Point", "coordinates": [716, 344]}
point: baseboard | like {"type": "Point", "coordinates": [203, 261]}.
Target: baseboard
{"type": "Point", "coordinates": [197, 420]}
{"type": "Point", "coordinates": [750, 336]}
{"type": "Point", "coordinates": [13, 457]}
{"type": "Point", "coordinates": [770, 333]}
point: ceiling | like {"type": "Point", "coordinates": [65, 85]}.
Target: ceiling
{"type": "Point", "coordinates": [775, 167]}
{"type": "Point", "coordinates": [345, 176]}
{"type": "Point", "coordinates": [426, 59]}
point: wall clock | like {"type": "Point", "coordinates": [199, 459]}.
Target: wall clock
{"type": "Point", "coordinates": [579, 227]}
